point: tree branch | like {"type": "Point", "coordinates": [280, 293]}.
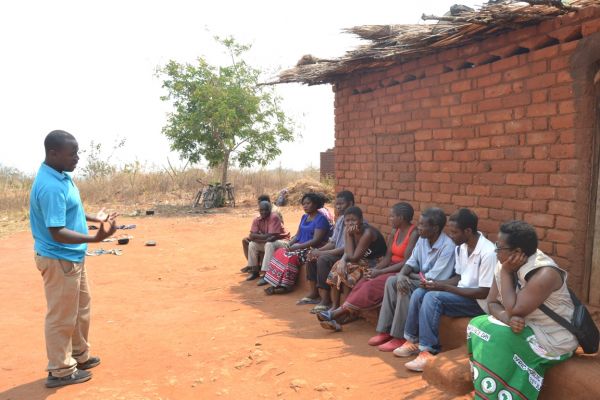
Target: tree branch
{"type": "Point", "coordinates": [552, 3]}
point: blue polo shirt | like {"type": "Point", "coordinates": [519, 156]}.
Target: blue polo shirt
{"type": "Point", "coordinates": [55, 202]}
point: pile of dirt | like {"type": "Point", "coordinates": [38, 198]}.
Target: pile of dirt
{"type": "Point", "coordinates": [297, 189]}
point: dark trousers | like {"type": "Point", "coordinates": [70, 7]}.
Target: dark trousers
{"type": "Point", "coordinates": [318, 270]}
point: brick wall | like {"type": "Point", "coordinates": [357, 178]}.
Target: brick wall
{"type": "Point", "coordinates": [327, 166]}
{"type": "Point", "coordinates": [504, 127]}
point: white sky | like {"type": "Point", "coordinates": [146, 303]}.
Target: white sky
{"type": "Point", "coordinates": [88, 66]}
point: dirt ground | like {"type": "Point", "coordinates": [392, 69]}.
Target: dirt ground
{"type": "Point", "coordinates": [177, 321]}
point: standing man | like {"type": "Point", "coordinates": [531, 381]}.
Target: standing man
{"type": "Point", "coordinates": [463, 295]}
{"type": "Point", "coordinates": [433, 256]}
{"type": "Point", "coordinates": [266, 228]}
{"type": "Point", "coordinates": [59, 228]}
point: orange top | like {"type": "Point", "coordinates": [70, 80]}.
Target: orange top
{"type": "Point", "coordinates": [398, 250]}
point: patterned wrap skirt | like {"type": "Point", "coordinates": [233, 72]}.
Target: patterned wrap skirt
{"type": "Point", "coordinates": [284, 267]}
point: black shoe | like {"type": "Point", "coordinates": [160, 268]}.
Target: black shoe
{"type": "Point", "coordinates": [261, 282]}
{"type": "Point", "coordinates": [245, 270]}
{"type": "Point", "coordinates": [78, 376]}
{"type": "Point", "coordinates": [252, 276]}
{"type": "Point", "coordinates": [90, 363]}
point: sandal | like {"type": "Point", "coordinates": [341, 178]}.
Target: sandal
{"type": "Point", "coordinates": [319, 308]}
{"type": "Point", "coordinates": [332, 325]}
{"type": "Point", "coordinates": [271, 290]}
{"type": "Point", "coordinates": [326, 315]}
{"type": "Point", "coordinates": [308, 300]}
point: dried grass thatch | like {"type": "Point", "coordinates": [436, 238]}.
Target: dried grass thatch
{"type": "Point", "coordinates": [297, 189]}
{"type": "Point", "coordinates": [393, 44]}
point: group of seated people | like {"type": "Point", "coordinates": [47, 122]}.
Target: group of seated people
{"type": "Point", "coordinates": [421, 272]}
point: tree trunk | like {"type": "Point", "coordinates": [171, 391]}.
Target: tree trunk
{"type": "Point", "coordinates": [225, 169]}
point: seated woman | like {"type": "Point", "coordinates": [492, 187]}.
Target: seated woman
{"type": "Point", "coordinates": [511, 349]}
{"type": "Point", "coordinates": [363, 246]}
{"type": "Point", "coordinates": [368, 292]}
{"type": "Point", "coordinates": [313, 231]}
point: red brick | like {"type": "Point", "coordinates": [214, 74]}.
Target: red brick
{"type": "Point", "coordinates": [489, 80]}
{"type": "Point", "coordinates": [516, 73]}
{"type": "Point", "coordinates": [455, 145]}
{"type": "Point", "coordinates": [546, 52]}
{"type": "Point", "coordinates": [471, 96]}
{"type": "Point", "coordinates": [541, 179]}
{"type": "Point", "coordinates": [566, 107]}
{"type": "Point", "coordinates": [491, 129]}
{"type": "Point", "coordinates": [540, 166]}
{"type": "Point", "coordinates": [564, 208]}
{"type": "Point", "coordinates": [587, 28]}
{"type": "Point", "coordinates": [564, 250]}
{"type": "Point", "coordinates": [423, 155]}
{"type": "Point", "coordinates": [461, 86]}
{"type": "Point", "coordinates": [492, 154]}
{"type": "Point", "coordinates": [498, 90]}
{"type": "Point", "coordinates": [423, 134]}
{"type": "Point", "coordinates": [568, 166]}
{"type": "Point", "coordinates": [442, 155]}
{"type": "Point", "coordinates": [423, 196]}
{"type": "Point", "coordinates": [501, 215]}
{"type": "Point", "coordinates": [541, 81]}
{"type": "Point", "coordinates": [561, 93]}
{"type": "Point", "coordinates": [540, 206]}
{"type": "Point", "coordinates": [480, 143]}
{"type": "Point", "coordinates": [519, 179]}
{"type": "Point", "coordinates": [563, 180]}
{"type": "Point", "coordinates": [518, 126]}
{"type": "Point", "coordinates": [564, 77]}
{"type": "Point", "coordinates": [521, 99]}
{"type": "Point", "coordinates": [541, 137]}
{"type": "Point", "coordinates": [517, 205]}
{"type": "Point", "coordinates": [499, 115]}
{"type": "Point", "coordinates": [538, 110]}
{"type": "Point", "coordinates": [505, 166]}
{"type": "Point", "coordinates": [504, 141]}
{"type": "Point", "coordinates": [490, 202]}
{"type": "Point", "coordinates": [556, 236]}
{"type": "Point", "coordinates": [540, 124]}
{"type": "Point", "coordinates": [473, 119]}
{"type": "Point", "coordinates": [466, 155]}
{"type": "Point", "coordinates": [546, 247]}
{"type": "Point", "coordinates": [567, 136]}
{"type": "Point", "coordinates": [489, 104]}
{"type": "Point", "coordinates": [518, 153]}
{"type": "Point", "coordinates": [462, 109]}
{"type": "Point", "coordinates": [566, 223]}
{"type": "Point", "coordinates": [543, 220]}
{"type": "Point", "coordinates": [464, 201]}
{"type": "Point", "coordinates": [478, 190]}
{"type": "Point", "coordinates": [563, 151]}
{"type": "Point", "coordinates": [539, 96]}
{"type": "Point", "coordinates": [505, 63]}
{"type": "Point", "coordinates": [503, 191]}
{"type": "Point", "coordinates": [439, 112]}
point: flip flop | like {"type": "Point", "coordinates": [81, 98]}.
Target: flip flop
{"type": "Point", "coordinates": [325, 315]}
{"type": "Point", "coordinates": [307, 300]}
{"type": "Point", "coordinates": [319, 308]}
{"type": "Point", "coordinates": [331, 325]}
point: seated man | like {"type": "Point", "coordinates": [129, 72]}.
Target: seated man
{"type": "Point", "coordinates": [266, 228]}
{"type": "Point", "coordinates": [321, 260]}
{"type": "Point", "coordinates": [433, 256]}
{"type": "Point", "coordinates": [463, 295]}
{"type": "Point", "coordinates": [246, 240]}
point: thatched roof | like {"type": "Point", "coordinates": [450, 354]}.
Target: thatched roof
{"type": "Point", "coordinates": [393, 44]}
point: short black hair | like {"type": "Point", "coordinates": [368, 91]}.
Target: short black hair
{"type": "Point", "coordinates": [520, 234]}
{"type": "Point", "coordinates": [55, 140]}
{"type": "Point", "coordinates": [465, 218]}
{"type": "Point", "coordinates": [264, 197]}
{"type": "Point", "coordinates": [435, 216]}
{"type": "Point", "coordinates": [266, 204]}
{"type": "Point", "coordinates": [346, 195]}
{"type": "Point", "coordinates": [404, 210]}
{"type": "Point", "coordinates": [354, 211]}
{"type": "Point", "coordinates": [316, 198]}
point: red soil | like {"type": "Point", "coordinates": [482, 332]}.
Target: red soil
{"type": "Point", "coordinates": [177, 321]}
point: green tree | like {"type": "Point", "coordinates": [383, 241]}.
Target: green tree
{"type": "Point", "coordinates": [222, 114]}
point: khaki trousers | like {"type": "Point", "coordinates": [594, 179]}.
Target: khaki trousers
{"type": "Point", "coordinates": [68, 314]}
{"type": "Point", "coordinates": [268, 248]}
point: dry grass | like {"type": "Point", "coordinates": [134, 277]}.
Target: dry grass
{"type": "Point", "coordinates": [128, 191]}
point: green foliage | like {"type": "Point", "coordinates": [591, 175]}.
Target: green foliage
{"type": "Point", "coordinates": [221, 113]}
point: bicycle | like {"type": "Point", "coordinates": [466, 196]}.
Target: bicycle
{"type": "Point", "coordinates": [214, 195]}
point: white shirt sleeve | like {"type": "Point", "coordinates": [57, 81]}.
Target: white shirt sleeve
{"type": "Point", "coordinates": [486, 269]}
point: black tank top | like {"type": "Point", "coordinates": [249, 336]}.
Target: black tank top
{"type": "Point", "coordinates": [377, 248]}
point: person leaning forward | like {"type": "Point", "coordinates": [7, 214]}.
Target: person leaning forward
{"type": "Point", "coordinates": [59, 229]}
{"type": "Point", "coordinates": [266, 228]}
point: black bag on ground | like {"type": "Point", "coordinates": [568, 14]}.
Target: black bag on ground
{"type": "Point", "coordinates": [582, 326]}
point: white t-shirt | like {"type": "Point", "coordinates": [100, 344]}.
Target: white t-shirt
{"type": "Point", "coordinates": [477, 269]}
